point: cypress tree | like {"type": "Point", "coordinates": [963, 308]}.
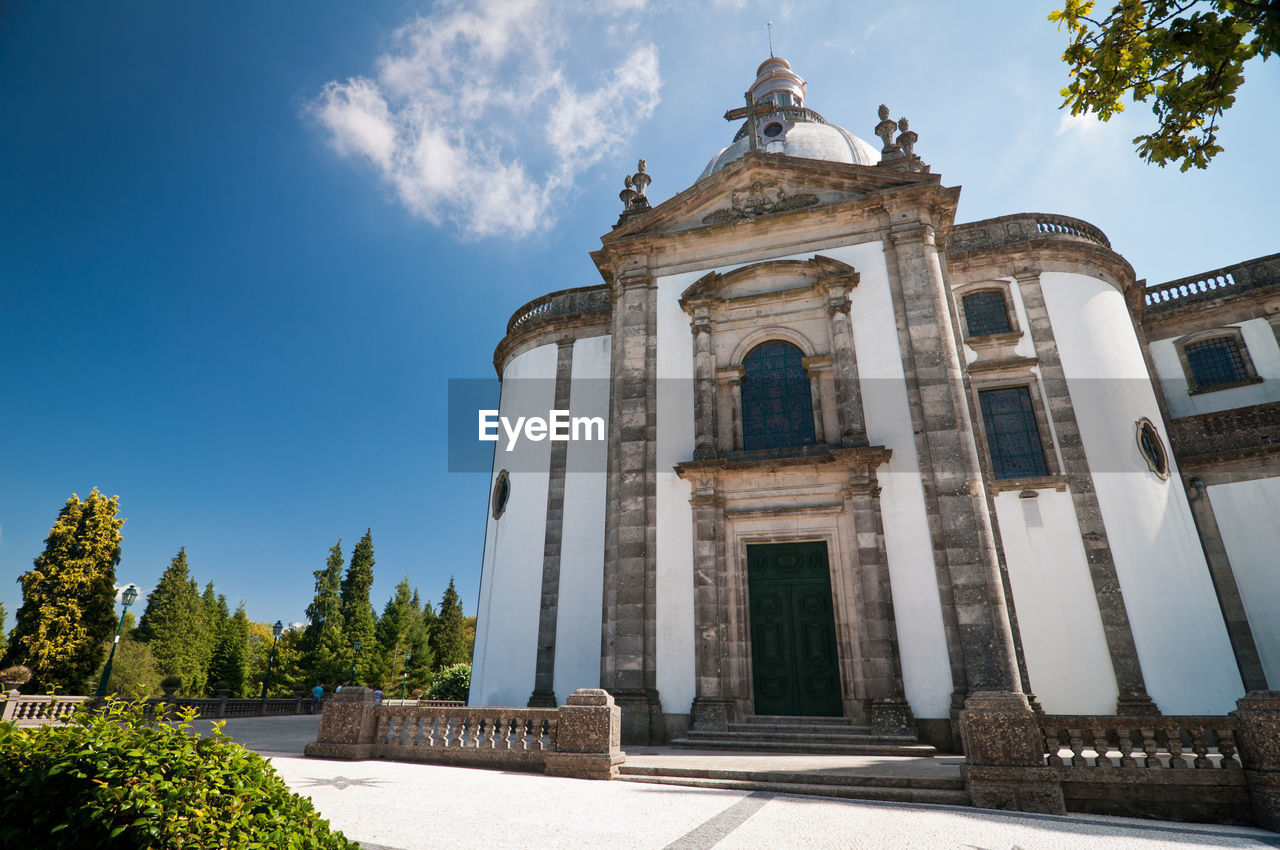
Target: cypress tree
{"type": "Point", "coordinates": [422, 659]}
{"type": "Point", "coordinates": [3, 642]}
{"type": "Point", "coordinates": [392, 633]}
{"type": "Point", "coordinates": [175, 625]}
{"type": "Point", "coordinates": [358, 619]}
{"type": "Point", "coordinates": [324, 646]}
{"type": "Point", "coordinates": [449, 640]}
{"type": "Point", "coordinates": [68, 598]}
{"type": "Point", "coordinates": [231, 657]}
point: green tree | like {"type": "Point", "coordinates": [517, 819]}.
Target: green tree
{"type": "Point", "coordinates": [231, 657]}
{"type": "Point", "coordinates": [1186, 56]}
{"type": "Point", "coordinates": [358, 619]}
{"type": "Point", "coordinates": [449, 638]}
{"type": "Point", "coordinates": [68, 598]}
{"type": "Point", "coordinates": [176, 625]}
{"type": "Point", "coordinates": [421, 657]}
{"type": "Point", "coordinates": [133, 670]}
{"type": "Point", "coordinates": [3, 642]}
{"type": "Point", "coordinates": [324, 646]}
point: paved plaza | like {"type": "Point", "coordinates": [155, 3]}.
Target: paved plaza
{"type": "Point", "coordinates": [396, 806]}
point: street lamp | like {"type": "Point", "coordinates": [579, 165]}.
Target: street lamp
{"type": "Point", "coordinates": [355, 646]}
{"type": "Point", "coordinates": [130, 596]}
{"type": "Point", "coordinates": [404, 686]}
{"type": "Point", "coordinates": [275, 631]}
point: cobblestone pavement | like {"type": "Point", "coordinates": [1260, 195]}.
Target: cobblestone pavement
{"type": "Point", "coordinates": [395, 806]}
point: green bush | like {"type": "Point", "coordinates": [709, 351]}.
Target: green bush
{"type": "Point", "coordinates": [111, 778]}
{"type": "Point", "coordinates": [452, 682]}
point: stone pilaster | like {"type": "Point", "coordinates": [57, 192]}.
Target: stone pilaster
{"type": "Point", "coordinates": [885, 704]}
{"type": "Point", "coordinates": [946, 595]}
{"type": "Point", "coordinates": [950, 459]}
{"type": "Point", "coordinates": [1228, 592]}
{"type": "Point", "coordinates": [853, 427]}
{"type": "Point", "coordinates": [1133, 698]}
{"type": "Point", "coordinates": [628, 667]}
{"type": "Point", "coordinates": [543, 695]}
{"type": "Point", "coordinates": [713, 706]}
{"type": "Point", "coordinates": [813, 368]}
{"type": "Point", "coordinates": [704, 388]}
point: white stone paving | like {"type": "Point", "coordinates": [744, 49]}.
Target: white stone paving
{"type": "Point", "coordinates": [406, 806]}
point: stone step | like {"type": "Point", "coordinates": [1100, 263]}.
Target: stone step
{"type": "Point", "coordinates": [805, 729]}
{"type": "Point", "coordinates": [798, 720]}
{"type": "Point", "coordinates": [851, 777]}
{"type": "Point", "coordinates": [800, 736]}
{"type": "Point", "coordinates": [799, 744]}
{"type": "Point", "coordinates": [850, 792]}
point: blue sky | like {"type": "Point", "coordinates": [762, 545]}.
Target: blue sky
{"type": "Point", "coordinates": [243, 246]}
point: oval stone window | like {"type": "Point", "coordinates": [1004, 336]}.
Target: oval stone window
{"type": "Point", "coordinates": [501, 493]}
{"type": "Point", "coordinates": [773, 130]}
{"type": "Point", "coordinates": [1152, 448]}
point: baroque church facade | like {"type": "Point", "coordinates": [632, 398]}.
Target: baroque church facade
{"type": "Point", "coordinates": [863, 462]}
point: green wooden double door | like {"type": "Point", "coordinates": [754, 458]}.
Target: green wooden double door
{"type": "Point", "coordinates": [794, 661]}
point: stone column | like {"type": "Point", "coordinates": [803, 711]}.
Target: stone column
{"type": "Point", "coordinates": [1131, 687]}
{"type": "Point", "coordinates": [588, 737]}
{"type": "Point", "coordinates": [1258, 715]}
{"type": "Point", "coordinates": [628, 632]}
{"type": "Point", "coordinates": [853, 428]}
{"type": "Point", "coordinates": [543, 695]}
{"type": "Point", "coordinates": [704, 387]}
{"type": "Point", "coordinates": [347, 726]}
{"type": "Point", "coordinates": [950, 459]}
{"type": "Point", "coordinates": [732, 378]}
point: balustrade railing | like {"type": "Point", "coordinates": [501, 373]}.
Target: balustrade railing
{"type": "Point", "coordinates": [30, 710]}
{"type": "Point", "coordinates": [1168, 743]}
{"type": "Point", "coordinates": [566, 302]}
{"type": "Point", "coordinates": [505, 734]}
{"type": "Point", "coordinates": [1251, 275]}
{"type": "Point", "coordinates": [1021, 227]}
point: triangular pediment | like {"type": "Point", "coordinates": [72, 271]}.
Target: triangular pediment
{"type": "Point", "coordinates": [760, 185]}
{"type": "Point", "coordinates": [772, 277]}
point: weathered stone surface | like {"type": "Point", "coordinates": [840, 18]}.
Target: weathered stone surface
{"type": "Point", "coordinates": [346, 726]}
{"type": "Point", "coordinates": [1258, 714]}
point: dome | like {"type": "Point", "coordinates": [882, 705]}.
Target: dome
{"type": "Point", "coordinates": [790, 128]}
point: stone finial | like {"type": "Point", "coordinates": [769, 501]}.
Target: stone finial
{"type": "Point", "coordinates": [628, 194]}
{"type": "Point", "coordinates": [907, 138]}
{"type": "Point", "coordinates": [885, 131]}
{"type": "Point", "coordinates": [641, 178]}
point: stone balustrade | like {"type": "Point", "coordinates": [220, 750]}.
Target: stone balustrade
{"type": "Point", "coordinates": [580, 738]}
{"type": "Point", "coordinates": [565, 302]}
{"type": "Point", "coordinates": [1250, 276]}
{"type": "Point", "coordinates": [1022, 227]}
{"type": "Point", "coordinates": [1240, 429]}
{"type": "Point", "coordinates": [34, 710]}
{"type": "Point", "coordinates": [29, 710]}
{"type": "Point", "coordinates": [1194, 768]}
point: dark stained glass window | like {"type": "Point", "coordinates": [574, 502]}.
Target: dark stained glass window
{"type": "Point", "coordinates": [985, 314]}
{"type": "Point", "coordinates": [777, 408]}
{"type": "Point", "coordinates": [1215, 361]}
{"type": "Point", "coordinates": [1012, 434]}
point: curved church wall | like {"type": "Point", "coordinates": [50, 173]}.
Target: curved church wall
{"type": "Point", "coordinates": [1177, 627]}
{"type": "Point", "coordinates": [511, 575]}
{"type": "Point", "coordinates": [578, 616]}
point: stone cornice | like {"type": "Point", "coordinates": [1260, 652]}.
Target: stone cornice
{"type": "Point", "coordinates": [753, 462]}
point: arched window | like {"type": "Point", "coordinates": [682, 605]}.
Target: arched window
{"type": "Point", "coordinates": [777, 408]}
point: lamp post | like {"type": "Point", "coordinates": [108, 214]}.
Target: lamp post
{"type": "Point", "coordinates": [356, 647]}
{"type": "Point", "coordinates": [130, 596]}
{"type": "Point", "coordinates": [275, 631]}
{"type": "Point", "coordinates": [404, 686]}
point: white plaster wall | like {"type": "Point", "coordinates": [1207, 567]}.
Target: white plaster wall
{"type": "Point", "coordinates": [1058, 618]}
{"type": "Point", "coordinates": [1259, 339]}
{"type": "Point", "coordinates": [1177, 626]}
{"type": "Point", "coordinates": [511, 577]}
{"type": "Point", "coordinates": [1248, 515]}
{"type": "Point", "coordinates": [582, 539]}
{"type": "Point", "coordinates": [675, 637]}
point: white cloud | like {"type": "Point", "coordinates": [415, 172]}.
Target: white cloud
{"type": "Point", "coordinates": [476, 117]}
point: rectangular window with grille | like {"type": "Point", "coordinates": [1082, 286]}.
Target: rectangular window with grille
{"type": "Point", "coordinates": [985, 314]}
{"type": "Point", "coordinates": [1215, 361]}
{"type": "Point", "coordinates": [1013, 437]}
